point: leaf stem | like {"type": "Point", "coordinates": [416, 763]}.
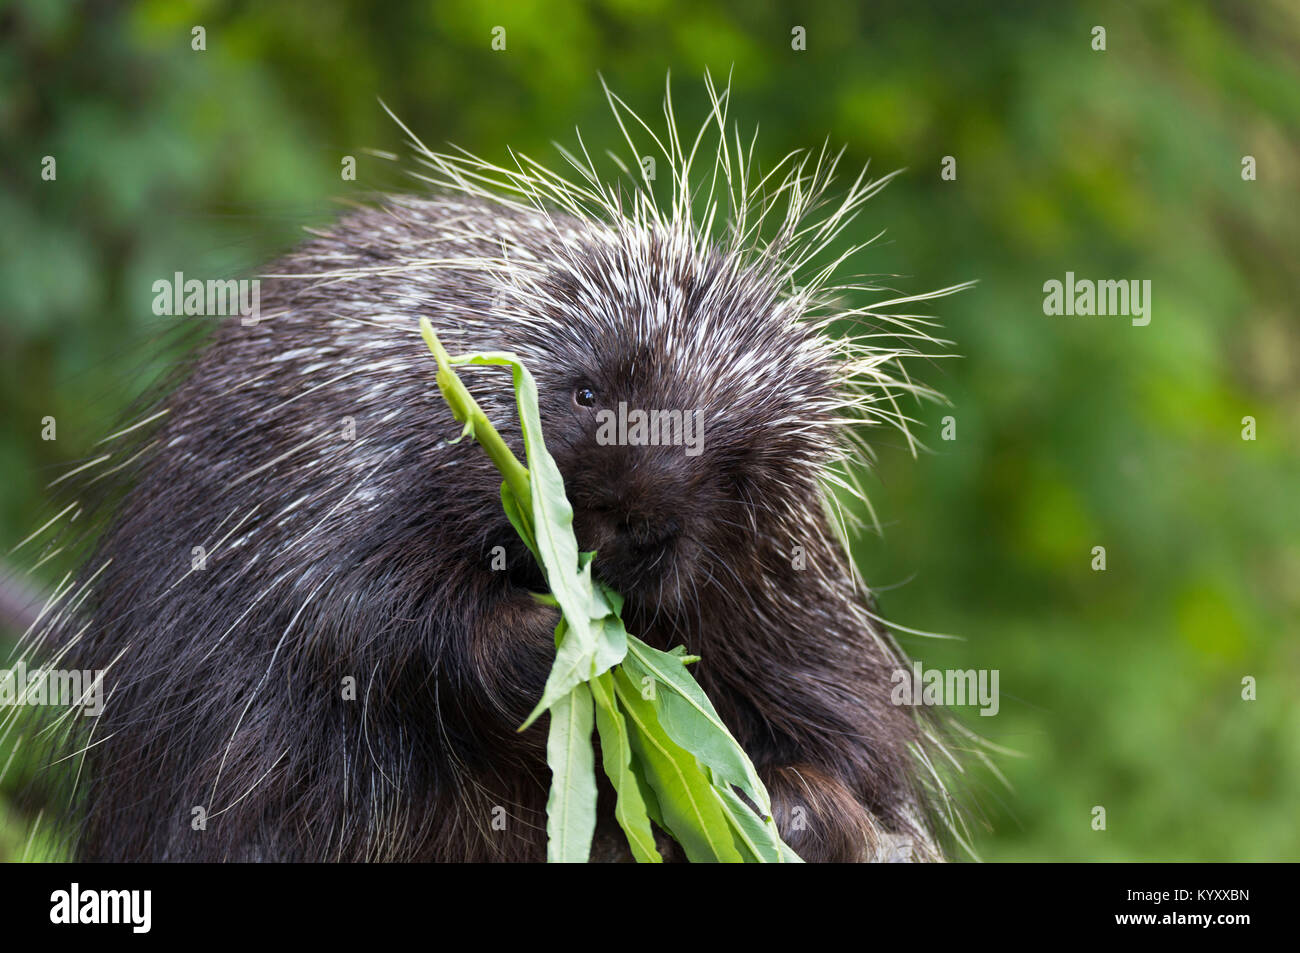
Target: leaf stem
{"type": "Point", "coordinates": [467, 411]}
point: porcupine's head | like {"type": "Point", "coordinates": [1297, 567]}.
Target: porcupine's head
{"type": "Point", "coordinates": [690, 390]}
{"type": "Point", "coordinates": [689, 406]}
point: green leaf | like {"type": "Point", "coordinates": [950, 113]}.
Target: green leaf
{"type": "Point", "coordinates": [611, 641]}
{"type": "Point", "coordinates": [575, 659]}
{"type": "Point", "coordinates": [514, 512]}
{"type": "Point", "coordinates": [571, 806]}
{"type": "Point", "coordinates": [690, 809]}
{"type": "Point", "coordinates": [757, 838]}
{"type": "Point", "coordinates": [690, 719]}
{"type": "Point", "coordinates": [616, 754]}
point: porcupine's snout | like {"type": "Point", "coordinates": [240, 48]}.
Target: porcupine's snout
{"type": "Point", "coordinates": [637, 516]}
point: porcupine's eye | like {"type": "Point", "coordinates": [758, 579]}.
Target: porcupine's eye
{"type": "Point", "coordinates": [584, 397]}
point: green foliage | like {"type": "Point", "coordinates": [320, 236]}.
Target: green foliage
{"type": "Point", "coordinates": [1120, 688]}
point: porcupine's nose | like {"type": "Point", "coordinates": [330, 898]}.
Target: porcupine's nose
{"type": "Point", "coordinates": [638, 505]}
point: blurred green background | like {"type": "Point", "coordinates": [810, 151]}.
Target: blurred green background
{"type": "Point", "coordinates": [1119, 688]}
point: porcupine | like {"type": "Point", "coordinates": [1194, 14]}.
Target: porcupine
{"type": "Point", "coordinates": [347, 535]}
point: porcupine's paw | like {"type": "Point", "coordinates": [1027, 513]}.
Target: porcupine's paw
{"type": "Point", "coordinates": [512, 649]}
{"type": "Point", "coordinates": [823, 822]}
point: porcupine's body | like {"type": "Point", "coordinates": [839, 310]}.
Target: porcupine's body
{"type": "Point", "coordinates": [331, 557]}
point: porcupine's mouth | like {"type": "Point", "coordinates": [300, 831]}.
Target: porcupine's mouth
{"type": "Point", "coordinates": [652, 575]}
{"type": "Point", "coordinates": [647, 558]}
